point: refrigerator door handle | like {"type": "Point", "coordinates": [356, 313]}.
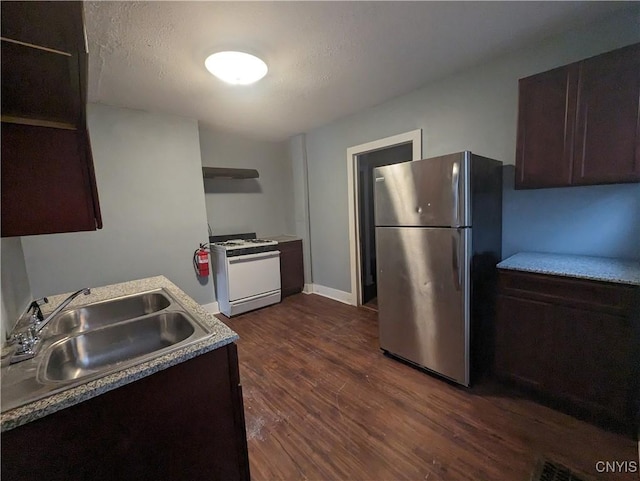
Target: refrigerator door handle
{"type": "Point", "coordinates": [455, 260]}
{"type": "Point", "coordinates": [455, 191]}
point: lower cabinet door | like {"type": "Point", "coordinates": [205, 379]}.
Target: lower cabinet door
{"type": "Point", "coordinates": [524, 342]}
{"type": "Point", "coordinates": [577, 356]}
{"type": "Point", "coordinates": [594, 364]}
{"type": "Point", "coordinates": [291, 267]}
{"type": "Point", "coordinates": [185, 422]}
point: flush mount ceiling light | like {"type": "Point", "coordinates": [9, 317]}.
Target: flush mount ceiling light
{"type": "Point", "coordinates": [237, 68]}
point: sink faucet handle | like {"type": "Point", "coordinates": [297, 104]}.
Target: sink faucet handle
{"type": "Point", "coordinates": [26, 342]}
{"type": "Point", "coordinates": [35, 307]}
{"type": "Point", "coordinates": [32, 334]}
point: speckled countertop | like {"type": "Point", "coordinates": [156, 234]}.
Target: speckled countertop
{"type": "Point", "coordinates": [221, 336]}
{"type": "Point", "coordinates": [283, 238]}
{"type": "Point", "coordinates": [583, 267]}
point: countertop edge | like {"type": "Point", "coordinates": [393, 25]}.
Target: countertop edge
{"type": "Point", "coordinates": [283, 238]}
{"type": "Point", "coordinates": [221, 336]}
{"type": "Point", "coordinates": [569, 275]}
{"type": "Point", "coordinates": [617, 271]}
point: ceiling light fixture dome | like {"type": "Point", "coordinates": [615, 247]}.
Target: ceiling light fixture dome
{"type": "Point", "coordinates": [237, 68]}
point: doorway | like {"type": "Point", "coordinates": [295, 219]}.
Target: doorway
{"type": "Point", "coordinates": [367, 230]}
{"type": "Point", "coordinates": [361, 162]}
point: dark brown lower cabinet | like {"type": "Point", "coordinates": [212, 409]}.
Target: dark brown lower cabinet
{"type": "Point", "coordinates": [185, 422]}
{"type": "Point", "coordinates": [291, 267]}
{"type": "Point", "coordinates": [571, 342]}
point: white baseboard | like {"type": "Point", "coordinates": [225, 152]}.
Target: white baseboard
{"type": "Point", "coordinates": [211, 308]}
{"type": "Point", "coordinates": [335, 294]}
{"type": "Point", "coordinates": [308, 289]}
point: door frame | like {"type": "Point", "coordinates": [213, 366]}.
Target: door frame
{"type": "Point", "coordinates": [413, 137]}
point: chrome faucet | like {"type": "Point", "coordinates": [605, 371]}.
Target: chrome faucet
{"type": "Point", "coordinates": [28, 339]}
{"type": "Point", "coordinates": [41, 324]}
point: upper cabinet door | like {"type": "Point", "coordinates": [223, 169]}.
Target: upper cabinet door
{"type": "Point", "coordinates": [40, 87]}
{"type": "Point", "coordinates": [47, 175]}
{"type": "Point", "coordinates": [607, 141]}
{"type": "Point", "coordinates": [46, 182]}
{"type": "Point", "coordinates": [545, 128]}
{"type": "Point", "coordinates": [580, 124]}
{"type": "Point", "coordinates": [44, 24]}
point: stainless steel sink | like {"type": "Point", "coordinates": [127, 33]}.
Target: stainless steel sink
{"type": "Point", "coordinates": [87, 343]}
{"type": "Point", "coordinates": [102, 349]}
{"type": "Point", "coordinates": [105, 313]}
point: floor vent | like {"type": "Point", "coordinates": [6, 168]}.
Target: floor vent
{"type": "Point", "coordinates": [549, 471]}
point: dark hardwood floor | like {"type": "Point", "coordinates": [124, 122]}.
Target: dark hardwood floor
{"type": "Point", "coordinates": [322, 402]}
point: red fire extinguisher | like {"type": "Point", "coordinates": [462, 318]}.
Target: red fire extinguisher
{"type": "Point", "coordinates": [201, 261]}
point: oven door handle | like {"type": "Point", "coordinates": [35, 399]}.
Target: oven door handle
{"type": "Point", "coordinates": [253, 257]}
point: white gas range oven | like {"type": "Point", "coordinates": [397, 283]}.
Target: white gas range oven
{"type": "Point", "coordinates": [247, 272]}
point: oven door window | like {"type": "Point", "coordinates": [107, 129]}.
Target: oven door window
{"type": "Point", "coordinates": [253, 275]}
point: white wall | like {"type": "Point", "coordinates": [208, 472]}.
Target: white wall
{"type": "Point", "coordinates": [149, 178]}
{"type": "Point", "coordinates": [15, 292]}
{"type": "Point", "coordinates": [262, 205]}
{"type": "Point", "coordinates": [472, 110]}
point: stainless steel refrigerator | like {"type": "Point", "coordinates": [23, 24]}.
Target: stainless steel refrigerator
{"type": "Point", "coordinates": [438, 240]}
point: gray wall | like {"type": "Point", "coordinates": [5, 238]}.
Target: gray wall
{"type": "Point", "coordinates": [602, 220]}
{"type": "Point", "coordinates": [149, 180]}
{"type": "Point", "coordinates": [297, 151]}
{"type": "Point", "coordinates": [16, 292]}
{"type": "Point", "coordinates": [262, 205]}
{"type": "Point", "coordinates": [472, 110]}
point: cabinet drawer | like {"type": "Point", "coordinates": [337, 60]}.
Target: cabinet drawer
{"type": "Point", "coordinates": [586, 294]}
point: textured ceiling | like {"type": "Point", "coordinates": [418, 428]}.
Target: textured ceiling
{"type": "Point", "coordinates": [326, 59]}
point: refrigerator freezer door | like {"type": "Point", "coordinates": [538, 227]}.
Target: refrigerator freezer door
{"type": "Point", "coordinates": [423, 297]}
{"type": "Point", "coordinates": [430, 192]}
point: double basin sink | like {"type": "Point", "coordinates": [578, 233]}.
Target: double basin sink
{"type": "Point", "coordinates": [85, 343]}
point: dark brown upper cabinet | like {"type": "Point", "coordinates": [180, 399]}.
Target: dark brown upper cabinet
{"type": "Point", "coordinates": [50, 25]}
{"type": "Point", "coordinates": [607, 136]}
{"type": "Point", "coordinates": [48, 179]}
{"type": "Point", "coordinates": [580, 124]}
{"type": "Point", "coordinates": [546, 106]}
{"type": "Point", "coordinates": [40, 87]}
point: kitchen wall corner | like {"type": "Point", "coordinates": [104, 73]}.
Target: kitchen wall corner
{"type": "Point", "coordinates": [15, 292]}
